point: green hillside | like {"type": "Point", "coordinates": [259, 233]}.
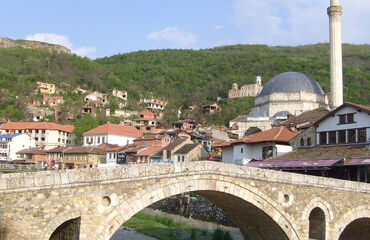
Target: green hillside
{"type": "Point", "coordinates": [180, 76]}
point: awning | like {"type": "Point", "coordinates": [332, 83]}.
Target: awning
{"type": "Point", "coordinates": [357, 162]}
{"type": "Point", "coordinates": [313, 164]}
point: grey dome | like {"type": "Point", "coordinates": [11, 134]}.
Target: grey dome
{"type": "Point", "coordinates": [292, 82]}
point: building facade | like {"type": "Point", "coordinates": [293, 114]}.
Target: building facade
{"type": "Point", "coordinates": [112, 134]}
{"type": "Point", "coordinates": [248, 90]}
{"type": "Point", "coordinates": [10, 144]}
{"type": "Point", "coordinates": [47, 135]}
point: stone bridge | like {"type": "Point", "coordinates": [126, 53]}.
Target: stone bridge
{"type": "Point", "coordinates": [266, 204]}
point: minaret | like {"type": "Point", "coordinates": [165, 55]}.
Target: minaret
{"type": "Point", "coordinates": [336, 74]}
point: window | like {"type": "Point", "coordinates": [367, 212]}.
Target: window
{"type": "Point", "coordinates": [362, 135]}
{"type": "Point", "coordinates": [346, 118]}
{"type": "Point", "coordinates": [332, 137]}
{"type": "Point", "coordinates": [267, 152]}
{"type": "Point", "coordinates": [342, 136]}
{"type": "Point", "coordinates": [302, 142]}
{"type": "Point", "coordinates": [309, 143]}
{"type": "Point", "coordinates": [241, 150]}
{"type": "Point", "coordinates": [98, 140]}
{"type": "Point", "coordinates": [350, 118]}
{"type": "Point", "coordinates": [183, 158]}
{"type": "Point", "coordinates": [352, 135]}
{"type": "Point", "coordinates": [322, 138]}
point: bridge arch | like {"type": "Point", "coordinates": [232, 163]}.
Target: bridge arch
{"type": "Point", "coordinates": [361, 212]}
{"type": "Point", "coordinates": [325, 207]}
{"type": "Point", "coordinates": [61, 218]}
{"type": "Point", "coordinates": [245, 192]}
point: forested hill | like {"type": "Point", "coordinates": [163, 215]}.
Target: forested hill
{"type": "Point", "coordinates": [187, 75]}
{"type": "Point", "coordinates": [180, 76]}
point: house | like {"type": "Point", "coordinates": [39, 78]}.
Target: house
{"type": "Point", "coordinates": [32, 155]}
{"type": "Point", "coordinates": [38, 115]}
{"type": "Point", "coordinates": [260, 145]}
{"type": "Point", "coordinates": [112, 134]}
{"type": "Point", "coordinates": [248, 90]}
{"type": "Point", "coordinates": [97, 99]}
{"type": "Point", "coordinates": [10, 144]}
{"type": "Point", "coordinates": [146, 121]}
{"type": "Point", "coordinates": [340, 148]}
{"type": "Point", "coordinates": [154, 104]}
{"type": "Point", "coordinates": [186, 124]}
{"type": "Point", "coordinates": [124, 113]}
{"type": "Point", "coordinates": [46, 88]}
{"type": "Point", "coordinates": [202, 138]}
{"type": "Point", "coordinates": [211, 108]}
{"type": "Point", "coordinates": [55, 156]}
{"type": "Point", "coordinates": [153, 140]}
{"type": "Point", "coordinates": [47, 135]}
{"type": "Point", "coordinates": [120, 94]}
{"type": "Point", "coordinates": [166, 153]}
{"type": "Point", "coordinates": [82, 157]}
{"type": "Point", "coordinates": [52, 101]}
{"type": "Point", "coordinates": [305, 124]}
{"type": "Point", "coordinates": [191, 152]}
{"type": "Point", "coordinates": [89, 109]}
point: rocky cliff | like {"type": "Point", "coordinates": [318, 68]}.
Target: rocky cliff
{"type": "Point", "coordinates": [8, 43]}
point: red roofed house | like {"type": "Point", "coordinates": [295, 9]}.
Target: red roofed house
{"type": "Point", "coordinates": [47, 134]}
{"type": "Point", "coordinates": [146, 121]}
{"type": "Point", "coordinates": [260, 145]}
{"type": "Point", "coordinates": [112, 134]}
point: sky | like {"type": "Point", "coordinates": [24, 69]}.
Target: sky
{"type": "Point", "coordinates": [96, 28]}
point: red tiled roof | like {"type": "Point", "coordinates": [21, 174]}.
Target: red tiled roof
{"type": "Point", "coordinates": [37, 125]}
{"type": "Point", "coordinates": [93, 150]}
{"type": "Point", "coordinates": [149, 151]}
{"type": "Point", "coordinates": [107, 146]}
{"type": "Point", "coordinates": [306, 119]}
{"type": "Point", "coordinates": [277, 134]}
{"type": "Point", "coordinates": [116, 129]}
{"type": "Point", "coordinates": [367, 108]}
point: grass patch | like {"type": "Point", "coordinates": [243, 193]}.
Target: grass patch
{"type": "Point", "coordinates": [164, 228]}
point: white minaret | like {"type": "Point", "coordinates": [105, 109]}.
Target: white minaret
{"type": "Point", "coordinates": [336, 74]}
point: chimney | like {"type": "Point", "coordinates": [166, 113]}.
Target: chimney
{"type": "Point", "coordinates": [336, 74]}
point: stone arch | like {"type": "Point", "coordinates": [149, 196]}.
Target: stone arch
{"type": "Point", "coordinates": [325, 207]}
{"type": "Point", "coordinates": [350, 216]}
{"type": "Point", "coordinates": [59, 220]}
{"type": "Point", "coordinates": [129, 207]}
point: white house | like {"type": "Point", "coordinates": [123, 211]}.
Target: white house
{"type": "Point", "coordinates": [112, 134]}
{"type": "Point", "coordinates": [10, 144]}
{"type": "Point", "coordinates": [347, 124]}
{"type": "Point", "coordinates": [48, 135]}
{"type": "Point", "coordinates": [260, 145]}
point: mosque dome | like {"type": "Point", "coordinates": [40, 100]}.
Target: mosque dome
{"type": "Point", "coordinates": [291, 82]}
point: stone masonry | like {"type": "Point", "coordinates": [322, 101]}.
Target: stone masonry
{"type": "Point", "coordinates": [94, 203]}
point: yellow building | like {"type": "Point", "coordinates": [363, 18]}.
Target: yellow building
{"type": "Point", "coordinates": [82, 157]}
{"type": "Point", "coordinates": [46, 88]}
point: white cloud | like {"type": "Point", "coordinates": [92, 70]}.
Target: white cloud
{"type": "Point", "coordinates": [291, 22]}
{"type": "Point", "coordinates": [61, 40]}
{"type": "Point", "coordinates": [218, 27]}
{"type": "Point", "coordinates": [175, 35]}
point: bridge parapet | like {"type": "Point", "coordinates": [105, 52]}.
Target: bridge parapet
{"type": "Point", "coordinates": [18, 182]}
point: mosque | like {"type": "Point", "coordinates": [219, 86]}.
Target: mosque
{"type": "Point", "coordinates": [292, 93]}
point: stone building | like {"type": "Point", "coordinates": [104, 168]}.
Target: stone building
{"type": "Point", "coordinates": [120, 94]}
{"type": "Point", "coordinates": [289, 93]}
{"type": "Point", "coordinates": [247, 90]}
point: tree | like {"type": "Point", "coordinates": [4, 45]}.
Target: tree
{"type": "Point", "coordinates": [84, 124]}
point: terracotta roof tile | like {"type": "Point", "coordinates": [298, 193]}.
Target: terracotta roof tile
{"type": "Point", "coordinates": [149, 151]}
{"type": "Point", "coordinates": [93, 150]}
{"type": "Point", "coordinates": [306, 119]}
{"type": "Point", "coordinates": [116, 129]}
{"type": "Point", "coordinates": [37, 125]}
{"type": "Point", "coordinates": [277, 134]}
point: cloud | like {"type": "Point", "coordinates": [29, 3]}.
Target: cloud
{"type": "Point", "coordinates": [175, 35]}
{"type": "Point", "coordinates": [218, 27]}
{"type": "Point", "coordinates": [62, 40]}
{"type": "Point", "coordinates": [291, 22]}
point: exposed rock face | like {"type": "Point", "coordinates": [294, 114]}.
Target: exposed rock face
{"type": "Point", "coordinates": [8, 43]}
